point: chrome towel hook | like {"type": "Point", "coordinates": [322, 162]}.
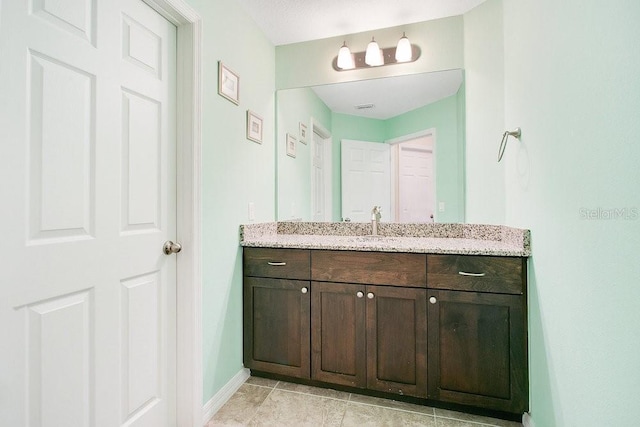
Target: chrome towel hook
{"type": "Point", "coordinates": [516, 133]}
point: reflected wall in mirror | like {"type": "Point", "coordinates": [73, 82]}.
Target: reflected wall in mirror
{"type": "Point", "coordinates": [420, 114]}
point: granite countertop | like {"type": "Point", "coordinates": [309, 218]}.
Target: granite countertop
{"type": "Point", "coordinates": [462, 239]}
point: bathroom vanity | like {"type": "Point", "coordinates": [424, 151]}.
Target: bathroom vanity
{"type": "Point", "coordinates": [434, 312]}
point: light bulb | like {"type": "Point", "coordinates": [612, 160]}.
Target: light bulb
{"type": "Point", "coordinates": [345, 59]}
{"type": "Point", "coordinates": [373, 56]}
{"type": "Point", "coordinates": [403, 50]}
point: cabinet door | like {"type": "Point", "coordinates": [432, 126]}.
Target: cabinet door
{"type": "Point", "coordinates": [276, 326]}
{"type": "Point", "coordinates": [338, 334]}
{"type": "Point", "coordinates": [477, 350]}
{"type": "Point", "coordinates": [397, 340]}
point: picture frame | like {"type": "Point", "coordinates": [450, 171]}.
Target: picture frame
{"type": "Point", "coordinates": [254, 127]}
{"type": "Point", "coordinates": [291, 145]}
{"type": "Point", "coordinates": [303, 133]}
{"type": "Point", "coordinates": [228, 83]}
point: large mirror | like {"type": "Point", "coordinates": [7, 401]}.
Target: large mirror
{"type": "Point", "coordinates": [396, 142]}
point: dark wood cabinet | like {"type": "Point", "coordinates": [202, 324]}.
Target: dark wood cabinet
{"type": "Point", "coordinates": [277, 313]}
{"type": "Point", "coordinates": [369, 320]}
{"type": "Point", "coordinates": [477, 342]}
{"type": "Point", "coordinates": [338, 334]}
{"type": "Point", "coordinates": [397, 340]}
{"type": "Point", "coordinates": [372, 337]}
{"type": "Point", "coordinates": [447, 328]}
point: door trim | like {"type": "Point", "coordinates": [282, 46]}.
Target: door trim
{"type": "Point", "coordinates": [189, 222]}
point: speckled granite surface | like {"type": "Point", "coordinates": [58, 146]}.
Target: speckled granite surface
{"type": "Point", "coordinates": [464, 239]}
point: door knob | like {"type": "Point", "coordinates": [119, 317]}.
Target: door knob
{"type": "Point", "coordinates": [433, 300]}
{"type": "Point", "coordinates": [370, 295]}
{"type": "Point", "coordinates": [359, 294]}
{"type": "Point", "coordinates": [171, 248]}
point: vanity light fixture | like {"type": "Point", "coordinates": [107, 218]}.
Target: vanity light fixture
{"type": "Point", "coordinates": [374, 56]}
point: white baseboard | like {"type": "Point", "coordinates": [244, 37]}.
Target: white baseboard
{"type": "Point", "coordinates": [220, 398]}
{"type": "Point", "coordinates": [527, 421]}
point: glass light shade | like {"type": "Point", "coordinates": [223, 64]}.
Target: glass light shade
{"type": "Point", "coordinates": [345, 60]}
{"type": "Point", "coordinates": [373, 55]}
{"type": "Point", "coordinates": [403, 50]}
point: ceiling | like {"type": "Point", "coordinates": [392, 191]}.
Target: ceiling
{"type": "Point", "coordinates": [390, 96]}
{"type": "Point", "coordinates": [293, 21]}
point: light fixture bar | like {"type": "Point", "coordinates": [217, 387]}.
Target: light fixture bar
{"type": "Point", "coordinates": [388, 56]}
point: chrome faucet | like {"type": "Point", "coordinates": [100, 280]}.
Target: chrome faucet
{"type": "Point", "coordinates": [375, 220]}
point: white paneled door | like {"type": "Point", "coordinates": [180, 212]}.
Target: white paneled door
{"type": "Point", "coordinates": [88, 122]}
{"type": "Point", "coordinates": [366, 179]}
{"type": "Point", "coordinates": [415, 181]}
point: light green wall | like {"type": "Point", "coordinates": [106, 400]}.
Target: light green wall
{"type": "Point", "coordinates": [236, 171]}
{"type": "Point", "coordinates": [572, 84]}
{"type": "Point", "coordinates": [309, 63]}
{"type": "Point", "coordinates": [569, 79]}
{"type": "Point", "coordinates": [294, 174]}
{"type": "Point", "coordinates": [484, 78]}
{"type": "Point", "coordinates": [449, 150]}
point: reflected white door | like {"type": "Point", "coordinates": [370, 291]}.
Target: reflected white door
{"type": "Point", "coordinates": [89, 197]}
{"type": "Point", "coordinates": [366, 180]}
{"type": "Point", "coordinates": [415, 183]}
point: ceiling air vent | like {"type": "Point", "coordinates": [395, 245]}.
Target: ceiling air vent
{"type": "Point", "coordinates": [364, 106]}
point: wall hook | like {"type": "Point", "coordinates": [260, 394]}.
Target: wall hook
{"type": "Point", "coordinates": [516, 133]}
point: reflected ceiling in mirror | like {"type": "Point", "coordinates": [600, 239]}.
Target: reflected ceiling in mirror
{"type": "Point", "coordinates": [389, 97]}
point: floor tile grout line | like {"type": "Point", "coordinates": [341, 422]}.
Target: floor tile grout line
{"type": "Point", "coordinates": [313, 395]}
{"type": "Point", "coordinates": [262, 403]}
{"type": "Point", "coordinates": [259, 385]}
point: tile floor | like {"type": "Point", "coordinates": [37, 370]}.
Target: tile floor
{"type": "Point", "coordinates": [264, 402]}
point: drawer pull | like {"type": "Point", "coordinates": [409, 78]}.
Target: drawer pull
{"type": "Point", "coordinates": [277, 264]}
{"type": "Point", "coordinates": [359, 294]}
{"type": "Point", "coordinates": [370, 295]}
{"type": "Point", "coordinates": [463, 273]}
{"type": "Point", "coordinates": [304, 290]}
{"type": "Point", "coordinates": [433, 300]}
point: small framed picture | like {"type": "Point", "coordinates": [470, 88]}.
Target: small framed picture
{"type": "Point", "coordinates": [303, 133]}
{"type": "Point", "coordinates": [254, 127]}
{"type": "Point", "coordinates": [228, 83]}
{"type": "Point", "coordinates": [291, 145]}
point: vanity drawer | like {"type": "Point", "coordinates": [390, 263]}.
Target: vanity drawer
{"type": "Point", "coordinates": [504, 275]}
{"type": "Point", "coordinates": [276, 263]}
{"type": "Point", "coordinates": [375, 268]}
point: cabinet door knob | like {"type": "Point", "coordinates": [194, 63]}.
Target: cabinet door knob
{"type": "Point", "coordinates": [304, 290]}
{"type": "Point", "coordinates": [359, 294]}
{"type": "Point", "coordinates": [433, 300]}
{"type": "Point", "coordinates": [370, 295]}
